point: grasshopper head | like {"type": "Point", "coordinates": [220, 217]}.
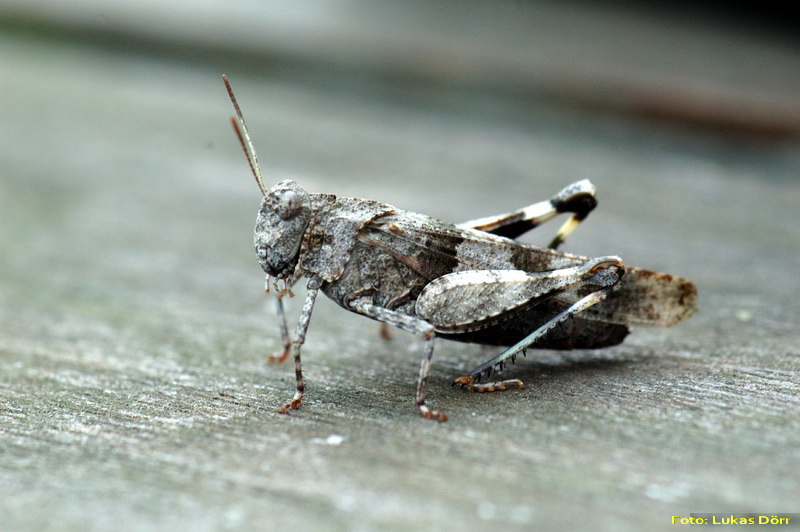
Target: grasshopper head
{"type": "Point", "coordinates": [280, 226]}
{"type": "Point", "coordinates": [284, 214]}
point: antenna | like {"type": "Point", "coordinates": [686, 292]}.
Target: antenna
{"type": "Point", "coordinates": [244, 140]}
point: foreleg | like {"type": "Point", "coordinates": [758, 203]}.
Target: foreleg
{"type": "Point", "coordinates": [297, 341]}
{"type": "Point", "coordinates": [287, 344]}
{"type": "Point", "coordinates": [273, 286]}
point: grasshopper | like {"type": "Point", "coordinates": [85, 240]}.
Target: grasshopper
{"type": "Point", "coordinates": [470, 282]}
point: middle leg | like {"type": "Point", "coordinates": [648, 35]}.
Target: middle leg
{"type": "Point", "coordinates": [413, 325]}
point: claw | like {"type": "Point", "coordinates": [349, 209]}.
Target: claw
{"type": "Point", "coordinates": [464, 381]}
{"type": "Point", "coordinates": [292, 405]}
{"type": "Point", "coordinates": [432, 414]}
{"type": "Point", "coordinates": [279, 357]}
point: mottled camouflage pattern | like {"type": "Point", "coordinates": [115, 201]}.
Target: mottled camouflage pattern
{"type": "Point", "coordinates": [432, 277]}
{"type": "Point", "coordinates": [368, 249]}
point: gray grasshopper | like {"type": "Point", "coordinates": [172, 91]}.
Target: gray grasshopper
{"type": "Point", "coordinates": [470, 282]}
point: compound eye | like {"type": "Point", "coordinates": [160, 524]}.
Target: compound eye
{"type": "Point", "coordinates": [289, 205]}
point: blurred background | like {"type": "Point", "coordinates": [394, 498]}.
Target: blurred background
{"type": "Point", "coordinates": [132, 323]}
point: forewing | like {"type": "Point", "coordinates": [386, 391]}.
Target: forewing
{"type": "Point", "coordinates": [434, 248]}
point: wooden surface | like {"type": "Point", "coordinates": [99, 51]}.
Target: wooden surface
{"type": "Point", "coordinates": [134, 392]}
